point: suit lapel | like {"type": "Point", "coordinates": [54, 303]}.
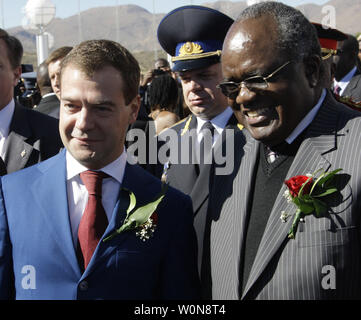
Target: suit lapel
{"type": "Point", "coordinates": [134, 181]}
{"type": "Point", "coordinates": [314, 147]}
{"type": "Point", "coordinates": [184, 176]}
{"type": "Point", "coordinates": [53, 205]}
{"type": "Point", "coordinates": [352, 86]}
{"type": "Point", "coordinates": [18, 151]}
{"type": "Point", "coordinates": [230, 195]}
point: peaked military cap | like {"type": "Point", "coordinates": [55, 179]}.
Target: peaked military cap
{"type": "Point", "coordinates": [193, 36]}
{"type": "Point", "coordinates": [328, 38]}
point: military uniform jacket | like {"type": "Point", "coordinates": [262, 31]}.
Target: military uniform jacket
{"type": "Point", "coordinates": [189, 179]}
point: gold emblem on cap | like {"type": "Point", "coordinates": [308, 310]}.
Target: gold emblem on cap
{"type": "Point", "coordinates": [190, 48]}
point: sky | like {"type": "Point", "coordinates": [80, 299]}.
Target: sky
{"type": "Point", "coordinates": [11, 11]}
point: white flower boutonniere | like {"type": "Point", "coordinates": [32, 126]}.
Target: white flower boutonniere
{"type": "Point", "coordinates": [143, 219]}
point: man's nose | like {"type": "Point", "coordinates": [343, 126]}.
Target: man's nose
{"type": "Point", "coordinates": [245, 96]}
{"type": "Point", "coordinates": [84, 120]}
{"type": "Point", "coordinates": [195, 85]}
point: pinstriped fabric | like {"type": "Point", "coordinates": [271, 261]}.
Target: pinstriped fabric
{"type": "Point", "coordinates": [228, 231]}
{"type": "Point", "coordinates": [296, 269]}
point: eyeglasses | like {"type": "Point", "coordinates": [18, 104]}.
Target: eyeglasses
{"type": "Point", "coordinates": [230, 89]}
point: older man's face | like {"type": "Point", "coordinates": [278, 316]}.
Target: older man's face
{"type": "Point", "coordinates": [270, 114]}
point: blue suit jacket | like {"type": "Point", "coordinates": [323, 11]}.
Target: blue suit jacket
{"type": "Point", "coordinates": [37, 254]}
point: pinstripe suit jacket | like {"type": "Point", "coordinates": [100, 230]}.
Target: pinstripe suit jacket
{"type": "Point", "coordinates": [323, 248]}
{"type": "Point", "coordinates": [353, 88]}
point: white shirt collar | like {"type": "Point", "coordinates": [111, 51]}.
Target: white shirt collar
{"type": "Point", "coordinates": [345, 80]}
{"type": "Point", "coordinates": [48, 95]}
{"type": "Point", "coordinates": [307, 119]}
{"type": "Point", "coordinates": [219, 122]}
{"type": "Point", "coordinates": [6, 115]}
{"type": "Point", "coordinates": [115, 169]}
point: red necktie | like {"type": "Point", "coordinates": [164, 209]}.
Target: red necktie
{"type": "Point", "coordinates": [94, 220]}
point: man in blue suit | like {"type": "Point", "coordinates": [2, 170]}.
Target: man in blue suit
{"type": "Point", "coordinates": [52, 245]}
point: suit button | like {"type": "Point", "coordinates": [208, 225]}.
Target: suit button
{"type": "Point", "coordinates": [83, 286]}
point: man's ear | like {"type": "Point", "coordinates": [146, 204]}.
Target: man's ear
{"type": "Point", "coordinates": [134, 106]}
{"type": "Point", "coordinates": [313, 69]}
{"type": "Point", "coordinates": [17, 75]}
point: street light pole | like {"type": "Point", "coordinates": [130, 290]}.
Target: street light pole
{"type": "Point", "coordinates": [2, 14]}
{"type": "Point", "coordinates": [42, 46]}
{"type": "Point", "coordinates": [80, 34]}
{"type": "Point", "coordinates": [39, 14]}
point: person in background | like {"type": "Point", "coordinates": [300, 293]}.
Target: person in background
{"type": "Point", "coordinates": [359, 52]}
{"type": "Point", "coordinates": [163, 98]}
{"type": "Point", "coordinates": [53, 62]}
{"type": "Point", "coordinates": [162, 64]}
{"type": "Point", "coordinates": [347, 82]}
{"type": "Point", "coordinates": [193, 36]}
{"type": "Point", "coordinates": [49, 103]}
{"type": "Point", "coordinates": [60, 240]}
{"type": "Point", "coordinates": [26, 136]}
{"type": "Point", "coordinates": [328, 38]}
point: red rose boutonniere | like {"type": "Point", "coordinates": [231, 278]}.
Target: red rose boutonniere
{"type": "Point", "coordinates": [296, 183]}
{"type": "Point", "coordinates": [305, 192]}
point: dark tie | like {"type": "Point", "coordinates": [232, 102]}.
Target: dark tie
{"type": "Point", "coordinates": [2, 167]}
{"type": "Point", "coordinates": [94, 220]}
{"type": "Point", "coordinates": [337, 90]}
{"type": "Point", "coordinates": [205, 146]}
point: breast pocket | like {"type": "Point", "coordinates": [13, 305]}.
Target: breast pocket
{"type": "Point", "coordinates": [340, 236]}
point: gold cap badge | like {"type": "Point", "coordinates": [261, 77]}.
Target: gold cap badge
{"type": "Point", "coordinates": [190, 48]}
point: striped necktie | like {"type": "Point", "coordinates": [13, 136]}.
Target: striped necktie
{"type": "Point", "coordinates": [206, 143]}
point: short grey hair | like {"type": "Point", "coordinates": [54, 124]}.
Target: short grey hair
{"type": "Point", "coordinates": [297, 37]}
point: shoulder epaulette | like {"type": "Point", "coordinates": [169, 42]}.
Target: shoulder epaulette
{"type": "Point", "coordinates": [240, 127]}
{"type": "Point", "coordinates": [186, 127]}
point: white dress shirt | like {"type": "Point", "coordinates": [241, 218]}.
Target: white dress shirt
{"type": "Point", "coordinates": [344, 81]}
{"type": "Point", "coordinates": [219, 123]}
{"type": "Point", "coordinates": [307, 119]}
{"type": "Point", "coordinates": [78, 194]}
{"type": "Point", "coordinates": [6, 114]}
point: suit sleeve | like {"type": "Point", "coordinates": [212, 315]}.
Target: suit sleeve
{"type": "Point", "coordinates": [180, 280]}
{"type": "Point", "coordinates": [6, 271]}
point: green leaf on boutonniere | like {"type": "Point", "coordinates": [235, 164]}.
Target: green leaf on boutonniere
{"type": "Point", "coordinates": [328, 178]}
{"type": "Point", "coordinates": [326, 193]}
{"type": "Point", "coordinates": [303, 205]}
{"type": "Point", "coordinates": [137, 216]}
{"type": "Point", "coordinates": [320, 207]}
{"type": "Point", "coordinates": [132, 203]}
{"type": "Point", "coordinates": [301, 190]}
